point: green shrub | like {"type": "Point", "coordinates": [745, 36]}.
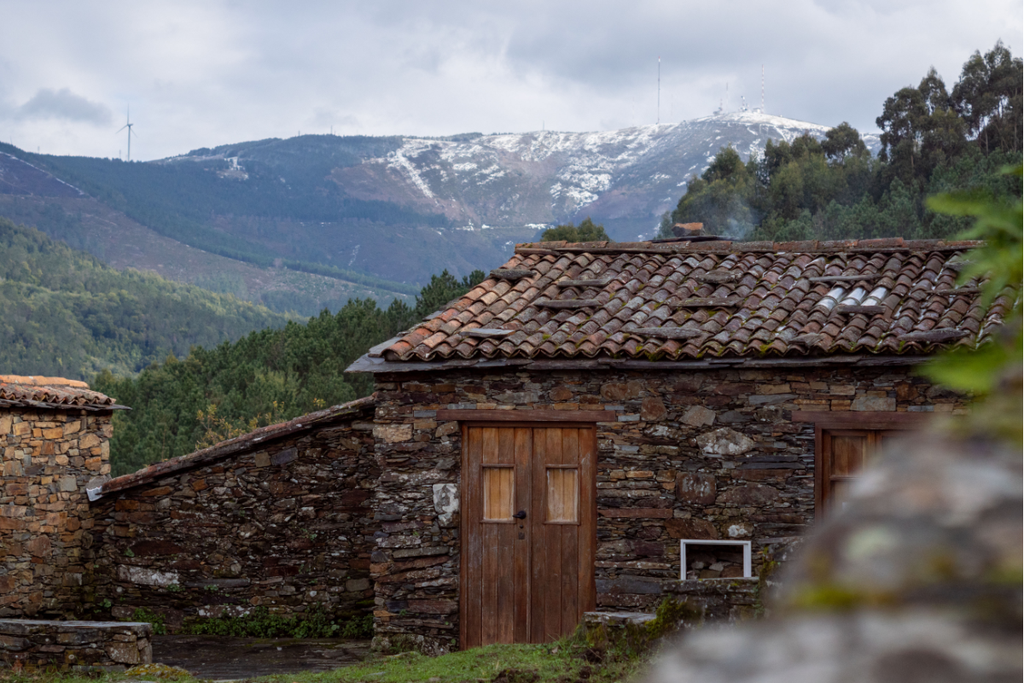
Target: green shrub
{"type": "Point", "coordinates": [158, 621]}
{"type": "Point", "coordinates": [260, 623]}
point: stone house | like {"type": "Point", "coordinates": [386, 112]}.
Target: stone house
{"type": "Point", "coordinates": [552, 442]}
{"type": "Point", "coordinates": [54, 436]}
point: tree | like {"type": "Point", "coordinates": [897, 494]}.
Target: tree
{"type": "Point", "coordinates": [443, 288]}
{"type": "Point", "coordinates": [726, 165]}
{"type": "Point", "coordinates": [586, 231]}
{"type": "Point", "coordinates": [833, 188]}
{"type": "Point", "coordinates": [900, 123]}
{"type": "Point", "coordinates": [842, 141]}
{"type": "Point", "coordinates": [988, 99]}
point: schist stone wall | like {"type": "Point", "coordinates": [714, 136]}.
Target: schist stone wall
{"type": "Point", "coordinates": [49, 458]}
{"type": "Point", "coordinates": [74, 645]}
{"type": "Point", "coordinates": [284, 523]}
{"type": "Point", "coordinates": [697, 454]}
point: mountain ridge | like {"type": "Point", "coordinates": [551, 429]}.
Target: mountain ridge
{"type": "Point", "coordinates": [396, 208]}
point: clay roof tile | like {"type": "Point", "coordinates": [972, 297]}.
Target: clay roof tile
{"type": "Point", "coordinates": [778, 303]}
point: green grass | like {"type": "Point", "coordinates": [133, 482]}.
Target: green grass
{"type": "Point", "coordinates": [566, 661]}
{"type": "Point", "coordinates": [563, 662]}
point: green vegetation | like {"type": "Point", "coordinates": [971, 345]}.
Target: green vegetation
{"type": "Point", "coordinates": [158, 621]}
{"type": "Point", "coordinates": [260, 623]}
{"type": "Point", "coordinates": [64, 313]}
{"type": "Point", "coordinates": [270, 375]}
{"type": "Point", "coordinates": [500, 663]}
{"type": "Point", "coordinates": [561, 662]}
{"type": "Point", "coordinates": [992, 372]}
{"type": "Point", "coordinates": [290, 179]}
{"type": "Point", "coordinates": [933, 141]}
{"type": "Point", "coordinates": [635, 641]}
{"type": "Point", "coordinates": [586, 231]}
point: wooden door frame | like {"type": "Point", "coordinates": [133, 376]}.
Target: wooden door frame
{"type": "Point", "coordinates": [485, 418]}
{"type": "Point", "coordinates": [863, 420]}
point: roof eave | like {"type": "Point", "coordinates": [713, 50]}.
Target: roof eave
{"type": "Point", "coordinates": [376, 365]}
{"type": "Point", "coordinates": [46, 405]}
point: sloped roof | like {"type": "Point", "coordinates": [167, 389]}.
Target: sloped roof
{"type": "Point", "coordinates": [17, 391]}
{"type": "Point", "coordinates": [254, 440]}
{"type": "Point", "coordinates": [704, 300]}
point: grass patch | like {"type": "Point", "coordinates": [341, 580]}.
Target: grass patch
{"type": "Point", "coordinates": [575, 659]}
{"type": "Point", "coordinates": [566, 661]}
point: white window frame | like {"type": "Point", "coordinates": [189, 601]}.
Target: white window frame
{"type": "Point", "coordinates": [745, 545]}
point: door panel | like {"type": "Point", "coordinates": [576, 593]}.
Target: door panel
{"type": "Point", "coordinates": [527, 579]}
{"type": "Point", "coordinates": [472, 584]}
{"type": "Point", "coordinates": [849, 450]}
{"type": "Point", "coordinates": [844, 453]}
{"type": "Point", "coordinates": [523, 444]}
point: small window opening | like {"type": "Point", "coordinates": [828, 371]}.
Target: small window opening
{"type": "Point", "coordinates": [563, 495]}
{"type": "Point", "coordinates": [499, 493]}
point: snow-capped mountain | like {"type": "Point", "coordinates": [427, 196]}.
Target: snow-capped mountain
{"type": "Point", "coordinates": [396, 208]}
{"type": "Point", "coordinates": [624, 178]}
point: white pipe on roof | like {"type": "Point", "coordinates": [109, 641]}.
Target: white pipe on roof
{"type": "Point", "coordinates": [829, 301]}
{"type": "Point", "coordinates": [854, 298]}
{"type": "Point", "coordinates": [875, 298]}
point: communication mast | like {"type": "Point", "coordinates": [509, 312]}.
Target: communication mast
{"type": "Point", "coordinates": [762, 89]}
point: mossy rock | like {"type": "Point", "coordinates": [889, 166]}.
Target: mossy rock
{"type": "Point", "coordinates": [161, 671]}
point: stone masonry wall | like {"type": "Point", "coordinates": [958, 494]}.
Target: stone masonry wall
{"type": "Point", "coordinates": [285, 525]}
{"type": "Point", "coordinates": [49, 456]}
{"type": "Point", "coordinates": [50, 646]}
{"type": "Point", "coordinates": [697, 454]}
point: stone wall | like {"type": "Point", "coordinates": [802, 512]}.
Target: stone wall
{"type": "Point", "coordinates": [71, 645]}
{"type": "Point", "coordinates": [696, 454]}
{"type": "Point", "coordinates": [49, 457]}
{"type": "Point", "coordinates": [718, 600]}
{"type": "Point", "coordinates": [283, 523]}
{"type": "Point", "coordinates": [934, 595]}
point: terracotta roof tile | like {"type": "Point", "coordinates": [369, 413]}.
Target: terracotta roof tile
{"type": "Point", "coordinates": [19, 391]}
{"type": "Point", "coordinates": [778, 312]}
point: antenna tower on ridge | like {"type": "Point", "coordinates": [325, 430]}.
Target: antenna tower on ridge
{"type": "Point", "coordinates": [131, 132]}
{"type": "Point", "coordinates": [762, 89]}
{"type": "Point", "coordinates": [659, 89]}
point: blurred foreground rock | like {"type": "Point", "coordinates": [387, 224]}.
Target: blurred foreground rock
{"type": "Point", "coordinates": [917, 579]}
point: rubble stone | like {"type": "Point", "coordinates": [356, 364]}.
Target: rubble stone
{"type": "Point", "coordinates": [285, 523]}
{"type": "Point", "coordinates": [49, 456]}
{"type": "Point", "coordinates": [38, 644]}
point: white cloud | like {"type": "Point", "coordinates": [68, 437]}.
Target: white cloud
{"type": "Point", "coordinates": [206, 73]}
{"type": "Point", "coordinates": [66, 105]}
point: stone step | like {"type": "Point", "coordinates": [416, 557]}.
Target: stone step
{"type": "Point", "coordinates": [591, 619]}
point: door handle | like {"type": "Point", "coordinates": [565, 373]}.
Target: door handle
{"type": "Point", "coordinates": [520, 515]}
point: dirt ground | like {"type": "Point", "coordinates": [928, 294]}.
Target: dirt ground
{"type": "Point", "coordinates": [221, 658]}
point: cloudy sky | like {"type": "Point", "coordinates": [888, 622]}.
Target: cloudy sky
{"type": "Point", "coordinates": [209, 72]}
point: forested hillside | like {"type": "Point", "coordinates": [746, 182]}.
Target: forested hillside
{"type": "Point", "coordinates": [64, 313]}
{"type": "Point", "coordinates": [177, 200]}
{"type": "Point", "coordinates": [933, 140]}
{"type": "Point", "coordinates": [268, 376]}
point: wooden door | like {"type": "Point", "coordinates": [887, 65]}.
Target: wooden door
{"type": "Point", "coordinates": [844, 452]}
{"type": "Point", "coordinates": [528, 525]}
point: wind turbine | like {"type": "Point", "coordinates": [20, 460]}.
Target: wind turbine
{"type": "Point", "coordinates": [131, 132]}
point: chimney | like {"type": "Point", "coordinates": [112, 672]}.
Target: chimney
{"type": "Point", "coordinates": [688, 229]}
